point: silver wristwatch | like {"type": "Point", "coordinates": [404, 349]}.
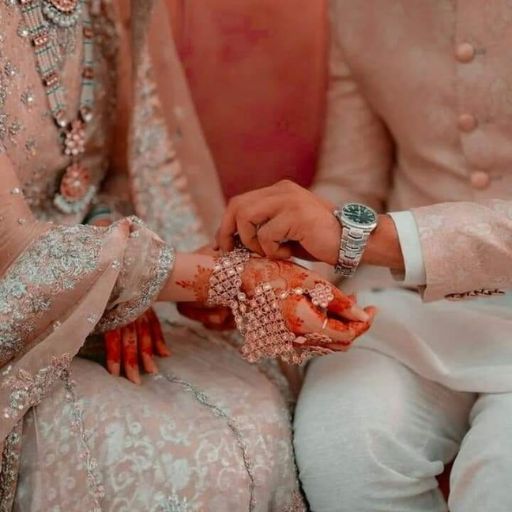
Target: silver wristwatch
{"type": "Point", "coordinates": [357, 222]}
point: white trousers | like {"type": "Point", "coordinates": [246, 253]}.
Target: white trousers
{"type": "Point", "coordinates": [371, 436]}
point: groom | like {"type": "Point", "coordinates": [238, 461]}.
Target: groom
{"type": "Point", "coordinates": [419, 124]}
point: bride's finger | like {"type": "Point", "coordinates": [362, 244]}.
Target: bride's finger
{"type": "Point", "coordinates": [339, 332]}
{"type": "Point", "coordinates": [345, 306]}
{"type": "Point", "coordinates": [160, 347]}
{"type": "Point", "coordinates": [130, 353]}
{"type": "Point", "coordinates": [113, 351]}
{"type": "Point", "coordinates": [145, 345]}
{"type": "Point", "coordinates": [336, 330]}
{"type": "Point", "coordinates": [314, 322]}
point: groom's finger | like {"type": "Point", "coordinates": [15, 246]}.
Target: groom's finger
{"type": "Point", "coordinates": [248, 233]}
{"type": "Point", "coordinates": [253, 207]}
{"type": "Point", "coordinates": [273, 236]}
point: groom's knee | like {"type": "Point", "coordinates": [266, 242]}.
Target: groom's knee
{"type": "Point", "coordinates": [353, 453]}
{"type": "Point", "coordinates": [338, 453]}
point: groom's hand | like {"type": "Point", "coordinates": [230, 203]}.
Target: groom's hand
{"type": "Point", "coordinates": [281, 221]}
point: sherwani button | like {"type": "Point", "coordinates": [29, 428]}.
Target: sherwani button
{"type": "Point", "coordinates": [480, 179]}
{"type": "Point", "coordinates": [467, 122]}
{"type": "Point", "coordinates": [465, 52]}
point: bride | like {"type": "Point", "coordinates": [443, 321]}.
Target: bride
{"type": "Point", "coordinates": [96, 125]}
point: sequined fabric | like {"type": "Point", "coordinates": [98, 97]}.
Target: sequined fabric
{"type": "Point", "coordinates": [54, 264]}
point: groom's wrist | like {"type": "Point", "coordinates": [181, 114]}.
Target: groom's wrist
{"type": "Point", "coordinates": [383, 247]}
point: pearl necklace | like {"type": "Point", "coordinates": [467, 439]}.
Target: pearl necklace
{"type": "Point", "coordinates": [75, 191]}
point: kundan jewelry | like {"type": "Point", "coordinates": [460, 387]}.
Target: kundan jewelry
{"type": "Point", "coordinates": [64, 13]}
{"type": "Point", "coordinates": [75, 190]}
{"type": "Point", "coordinates": [259, 318]}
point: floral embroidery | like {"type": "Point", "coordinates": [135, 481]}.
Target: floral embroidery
{"type": "Point", "coordinates": [54, 263]}
{"type": "Point", "coordinates": [297, 503]}
{"type": "Point", "coordinates": [203, 399]}
{"type": "Point", "coordinates": [174, 504]}
{"type": "Point", "coordinates": [160, 263]}
{"type": "Point", "coordinates": [96, 488]}
{"type": "Point", "coordinates": [158, 177]}
{"type": "Point", "coordinates": [27, 390]}
{"type": "Point", "coordinates": [9, 467]}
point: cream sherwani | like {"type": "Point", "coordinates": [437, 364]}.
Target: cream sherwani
{"type": "Point", "coordinates": [420, 122]}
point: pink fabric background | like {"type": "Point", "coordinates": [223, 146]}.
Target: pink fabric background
{"type": "Point", "coordinates": [257, 73]}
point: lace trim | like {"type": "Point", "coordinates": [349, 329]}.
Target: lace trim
{"type": "Point", "coordinates": [297, 504]}
{"type": "Point", "coordinates": [159, 181]}
{"type": "Point", "coordinates": [10, 467]}
{"type": "Point", "coordinates": [147, 291]}
{"type": "Point", "coordinates": [54, 263]}
{"type": "Point", "coordinates": [204, 400]}
{"type": "Point", "coordinates": [28, 390]}
{"type": "Point", "coordinates": [96, 487]}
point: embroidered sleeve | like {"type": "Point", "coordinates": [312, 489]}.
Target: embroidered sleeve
{"type": "Point", "coordinates": [144, 270]}
{"type": "Point", "coordinates": [35, 286]}
{"type": "Point", "coordinates": [57, 268]}
{"type": "Point", "coordinates": [467, 248]}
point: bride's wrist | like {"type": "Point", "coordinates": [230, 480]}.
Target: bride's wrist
{"type": "Point", "coordinates": [189, 278]}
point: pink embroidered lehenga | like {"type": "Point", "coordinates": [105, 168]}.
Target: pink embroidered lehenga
{"type": "Point", "coordinates": [209, 432]}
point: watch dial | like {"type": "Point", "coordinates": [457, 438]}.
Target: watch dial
{"type": "Point", "coordinates": [359, 214]}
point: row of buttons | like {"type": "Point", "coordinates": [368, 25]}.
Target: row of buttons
{"type": "Point", "coordinates": [465, 52]}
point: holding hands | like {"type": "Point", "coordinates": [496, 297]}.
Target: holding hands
{"type": "Point", "coordinates": [282, 309]}
{"type": "Point", "coordinates": [282, 221]}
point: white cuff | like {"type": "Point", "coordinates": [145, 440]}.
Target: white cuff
{"type": "Point", "coordinates": [409, 238]}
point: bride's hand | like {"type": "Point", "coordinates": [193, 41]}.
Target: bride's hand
{"type": "Point", "coordinates": [213, 318]}
{"type": "Point", "coordinates": [131, 349]}
{"type": "Point", "coordinates": [343, 320]}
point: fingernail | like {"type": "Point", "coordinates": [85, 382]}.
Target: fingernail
{"type": "Point", "coordinates": [149, 364]}
{"type": "Point", "coordinates": [114, 368]}
{"type": "Point", "coordinates": [165, 352]}
{"type": "Point", "coordinates": [364, 316]}
{"type": "Point", "coordinates": [360, 314]}
{"type": "Point", "coordinates": [133, 375]}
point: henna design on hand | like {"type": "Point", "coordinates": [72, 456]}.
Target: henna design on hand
{"type": "Point", "coordinates": [200, 283]}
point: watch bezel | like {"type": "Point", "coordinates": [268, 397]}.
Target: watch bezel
{"type": "Point", "coordinates": [341, 214]}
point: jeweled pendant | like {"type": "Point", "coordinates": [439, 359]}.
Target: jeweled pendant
{"type": "Point", "coordinates": [74, 141]}
{"type": "Point", "coordinates": [63, 13]}
{"type": "Point", "coordinates": [66, 6]}
{"type": "Point", "coordinates": [75, 191]}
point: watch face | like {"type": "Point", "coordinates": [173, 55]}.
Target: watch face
{"type": "Point", "coordinates": [359, 214]}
